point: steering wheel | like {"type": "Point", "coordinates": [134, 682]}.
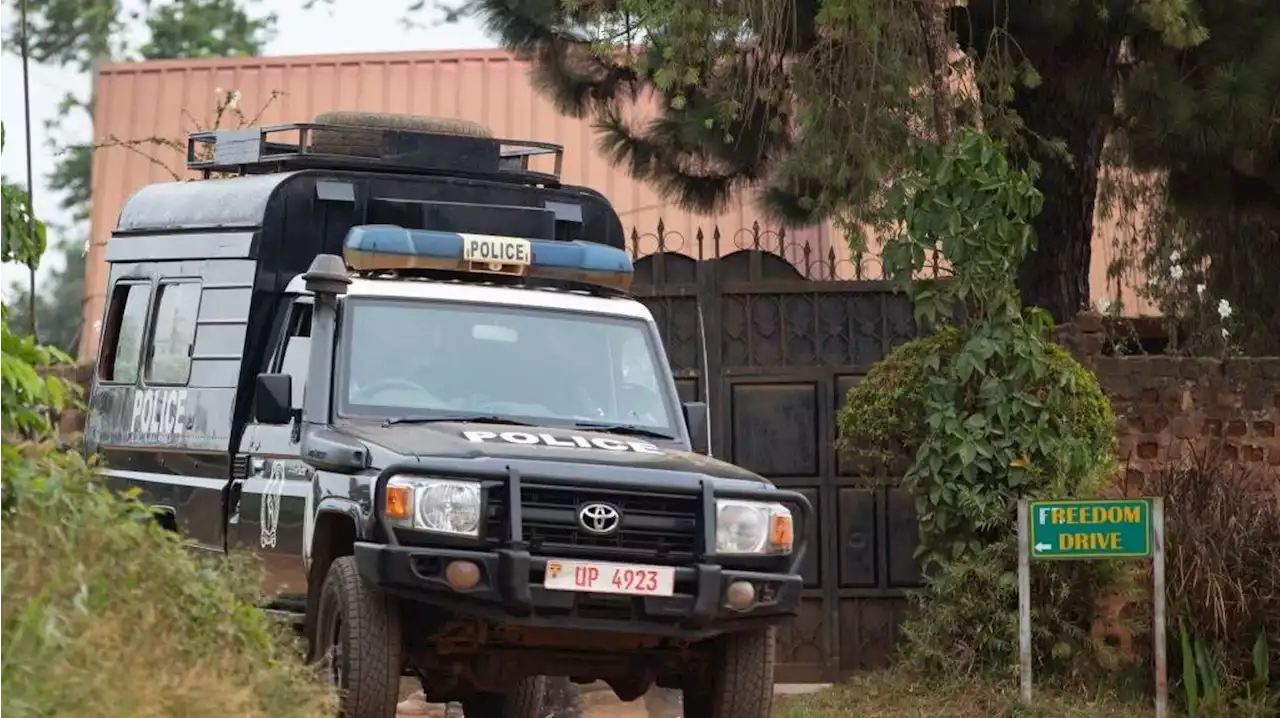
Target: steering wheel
{"type": "Point", "coordinates": [393, 382]}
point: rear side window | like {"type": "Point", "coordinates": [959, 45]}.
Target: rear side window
{"type": "Point", "coordinates": [121, 351]}
{"type": "Point", "coordinates": [173, 332]}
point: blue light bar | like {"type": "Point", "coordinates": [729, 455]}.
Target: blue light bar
{"type": "Point", "coordinates": [381, 247]}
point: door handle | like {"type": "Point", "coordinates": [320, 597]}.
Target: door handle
{"type": "Point", "coordinates": [257, 464]}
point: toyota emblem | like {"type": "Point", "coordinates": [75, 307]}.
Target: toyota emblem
{"type": "Point", "coordinates": [599, 519]}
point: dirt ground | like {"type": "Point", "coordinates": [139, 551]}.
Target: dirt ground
{"type": "Point", "coordinates": [598, 704]}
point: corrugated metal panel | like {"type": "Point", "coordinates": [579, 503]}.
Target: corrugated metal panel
{"type": "Point", "coordinates": [146, 109]}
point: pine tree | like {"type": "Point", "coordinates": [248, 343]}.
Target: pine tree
{"type": "Point", "coordinates": [1209, 115]}
{"type": "Point", "coordinates": [814, 103]}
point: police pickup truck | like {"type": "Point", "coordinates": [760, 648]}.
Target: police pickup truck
{"type": "Point", "coordinates": [388, 362]}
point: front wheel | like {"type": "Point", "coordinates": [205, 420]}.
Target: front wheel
{"type": "Point", "coordinates": [524, 700]}
{"type": "Point", "coordinates": [358, 639]}
{"type": "Point", "coordinates": [741, 683]}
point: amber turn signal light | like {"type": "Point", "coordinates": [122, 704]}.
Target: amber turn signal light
{"type": "Point", "coordinates": [781, 535]}
{"type": "Point", "coordinates": [399, 502]}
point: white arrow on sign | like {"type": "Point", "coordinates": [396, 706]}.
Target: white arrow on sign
{"type": "Point", "coordinates": [1042, 547]}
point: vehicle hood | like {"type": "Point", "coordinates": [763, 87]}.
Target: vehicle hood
{"type": "Point", "coordinates": [449, 440]}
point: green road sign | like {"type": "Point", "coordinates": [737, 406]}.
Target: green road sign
{"type": "Point", "coordinates": [1085, 530]}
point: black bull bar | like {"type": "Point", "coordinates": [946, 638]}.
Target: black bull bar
{"type": "Point", "coordinates": [509, 480]}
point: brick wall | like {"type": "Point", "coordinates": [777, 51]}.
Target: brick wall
{"type": "Point", "coordinates": [1166, 406]}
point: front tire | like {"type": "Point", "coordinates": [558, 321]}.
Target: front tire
{"type": "Point", "coordinates": [524, 700]}
{"type": "Point", "coordinates": [741, 678]}
{"type": "Point", "coordinates": [358, 639]}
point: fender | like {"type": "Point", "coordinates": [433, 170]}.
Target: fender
{"type": "Point", "coordinates": [332, 505]}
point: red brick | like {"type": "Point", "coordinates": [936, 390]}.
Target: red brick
{"type": "Point", "coordinates": [1212, 427]}
{"type": "Point", "coordinates": [1264, 429]}
{"type": "Point", "coordinates": [1183, 427]}
{"type": "Point", "coordinates": [1252, 454]}
{"type": "Point", "coordinates": [1237, 427]}
{"type": "Point", "coordinates": [1149, 396]}
{"type": "Point", "coordinates": [1148, 450]}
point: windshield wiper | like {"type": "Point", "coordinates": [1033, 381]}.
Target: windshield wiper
{"type": "Point", "coordinates": [622, 429]}
{"type": "Point", "coordinates": [469, 419]}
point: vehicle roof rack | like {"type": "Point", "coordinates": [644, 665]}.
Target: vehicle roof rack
{"type": "Point", "coordinates": [307, 145]}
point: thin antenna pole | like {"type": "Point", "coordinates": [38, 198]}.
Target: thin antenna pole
{"type": "Point", "coordinates": [31, 185]}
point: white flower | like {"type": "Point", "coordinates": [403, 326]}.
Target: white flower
{"type": "Point", "coordinates": [1200, 291]}
{"type": "Point", "coordinates": [1224, 308]}
{"type": "Point", "coordinates": [1175, 272]}
{"type": "Point", "coordinates": [1225, 334]}
{"type": "Point", "coordinates": [1174, 257]}
{"type": "Point", "coordinates": [233, 100]}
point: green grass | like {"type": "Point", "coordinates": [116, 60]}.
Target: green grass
{"type": "Point", "coordinates": [895, 693]}
{"type": "Point", "coordinates": [108, 615]}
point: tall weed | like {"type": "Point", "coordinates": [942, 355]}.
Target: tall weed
{"type": "Point", "coordinates": [106, 614]}
{"type": "Point", "coordinates": [1222, 554]}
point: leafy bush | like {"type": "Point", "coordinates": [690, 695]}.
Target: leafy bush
{"type": "Point", "coordinates": [884, 416]}
{"type": "Point", "coordinates": [984, 414]}
{"type": "Point", "coordinates": [989, 411]}
{"type": "Point", "coordinates": [105, 613]}
{"type": "Point", "coordinates": [966, 621]}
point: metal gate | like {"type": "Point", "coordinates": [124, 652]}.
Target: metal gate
{"type": "Point", "coordinates": [788, 333]}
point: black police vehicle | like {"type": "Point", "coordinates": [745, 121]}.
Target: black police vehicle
{"type": "Point", "coordinates": [400, 366]}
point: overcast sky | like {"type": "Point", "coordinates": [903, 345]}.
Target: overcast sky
{"type": "Point", "coordinates": [345, 26]}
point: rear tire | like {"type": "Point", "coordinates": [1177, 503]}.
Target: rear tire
{"type": "Point", "coordinates": [742, 678]}
{"type": "Point", "coordinates": [524, 700]}
{"type": "Point", "coordinates": [358, 640]}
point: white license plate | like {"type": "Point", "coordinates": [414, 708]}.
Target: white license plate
{"type": "Point", "coordinates": [602, 577]}
{"type": "Point", "coordinates": [496, 252]}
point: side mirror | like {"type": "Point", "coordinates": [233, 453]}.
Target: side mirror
{"type": "Point", "coordinates": [272, 399]}
{"type": "Point", "coordinates": [696, 419]}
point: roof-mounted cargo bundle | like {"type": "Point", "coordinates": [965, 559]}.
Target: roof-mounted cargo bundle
{"type": "Point", "coordinates": [372, 142]}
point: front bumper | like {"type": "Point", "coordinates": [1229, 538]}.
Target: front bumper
{"type": "Point", "coordinates": [511, 587]}
{"type": "Point", "coordinates": [511, 591]}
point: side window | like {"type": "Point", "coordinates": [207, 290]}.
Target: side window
{"type": "Point", "coordinates": [173, 333]}
{"type": "Point", "coordinates": [297, 350]}
{"type": "Point", "coordinates": [120, 353]}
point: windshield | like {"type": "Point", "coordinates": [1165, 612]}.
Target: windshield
{"type": "Point", "coordinates": [414, 358]}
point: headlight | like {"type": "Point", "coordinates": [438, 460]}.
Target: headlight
{"type": "Point", "coordinates": [438, 505]}
{"type": "Point", "coordinates": [752, 528]}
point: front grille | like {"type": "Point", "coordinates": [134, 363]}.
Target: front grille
{"type": "Point", "coordinates": [654, 527]}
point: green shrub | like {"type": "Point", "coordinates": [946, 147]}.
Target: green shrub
{"type": "Point", "coordinates": [883, 419]}
{"type": "Point", "coordinates": [966, 621]}
{"type": "Point", "coordinates": [981, 415]}
{"type": "Point", "coordinates": [106, 614]}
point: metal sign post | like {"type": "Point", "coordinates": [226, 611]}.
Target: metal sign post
{"type": "Point", "coordinates": [1157, 601]}
{"type": "Point", "coordinates": [1024, 603]}
{"type": "Point", "coordinates": [1091, 531]}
